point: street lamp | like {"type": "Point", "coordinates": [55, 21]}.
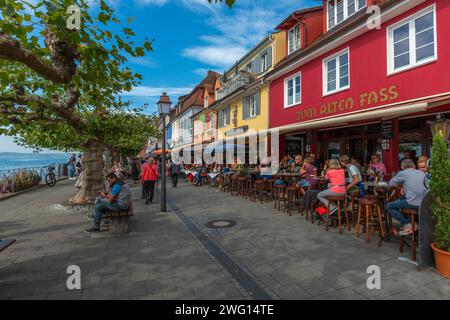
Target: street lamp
{"type": "Point", "coordinates": [440, 125]}
{"type": "Point", "coordinates": [386, 144]}
{"type": "Point", "coordinates": [164, 105]}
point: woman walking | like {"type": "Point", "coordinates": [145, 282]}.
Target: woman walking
{"type": "Point", "coordinates": [148, 179]}
{"type": "Point", "coordinates": [135, 170]}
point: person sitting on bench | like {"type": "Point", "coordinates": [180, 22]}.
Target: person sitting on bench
{"type": "Point", "coordinates": [119, 200]}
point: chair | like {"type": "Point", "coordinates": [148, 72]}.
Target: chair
{"type": "Point", "coordinates": [341, 203]}
{"type": "Point", "coordinates": [241, 187]}
{"type": "Point", "coordinates": [414, 218]}
{"type": "Point", "coordinates": [234, 190]}
{"type": "Point", "coordinates": [260, 190]}
{"type": "Point", "coordinates": [371, 209]}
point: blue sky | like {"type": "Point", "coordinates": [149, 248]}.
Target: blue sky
{"type": "Point", "coordinates": [191, 37]}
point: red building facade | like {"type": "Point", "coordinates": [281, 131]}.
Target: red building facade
{"type": "Point", "coordinates": [338, 94]}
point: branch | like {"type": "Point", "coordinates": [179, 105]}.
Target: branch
{"type": "Point", "coordinates": [11, 50]}
{"type": "Point", "coordinates": [14, 116]}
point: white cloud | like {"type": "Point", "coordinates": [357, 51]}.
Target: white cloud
{"type": "Point", "coordinates": [237, 30]}
{"type": "Point", "coordinates": [144, 91]}
{"type": "Point", "coordinates": [158, 3]}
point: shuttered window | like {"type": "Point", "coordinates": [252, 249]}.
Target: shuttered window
{"type": "Point", "coordinates": [224, 117]}
{"type": "Point", "coordinates": [251, 105]}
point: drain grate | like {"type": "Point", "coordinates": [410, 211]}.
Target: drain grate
{"type": "Point", "coordinates": [220, 224]}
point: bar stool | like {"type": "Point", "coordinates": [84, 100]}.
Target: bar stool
{"type": "Point", "coordinates": [413, 213]}
{"type": "Point", "coordinates": [260, 190]}
{"type": "Point", "coordinates": [234, 185]}
{"type": "Point", "coordinates": [269, 188]}
{"type": "Point", "coordinates": [353, 197]}
{"type": "Point", "coordinates": [291, 192]}
{"type": "Point", "coordinates": [249, 188]}
{"type": "Point", "coordinates": [280, 195]}
{"type": "Point", "coordinates": [241, 186]}
{"type": "Point", "coordinates": [369, 206]}
{"type": "Point", "coordinates": [340, 202]}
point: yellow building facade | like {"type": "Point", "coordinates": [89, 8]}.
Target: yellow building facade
{"type": "Point", "coordinates": [242, 103]}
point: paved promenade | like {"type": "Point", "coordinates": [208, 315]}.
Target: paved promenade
{"type": "Point", "coordinates": [176, 256]}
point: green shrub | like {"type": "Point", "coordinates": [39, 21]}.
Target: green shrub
{"type": "Point", "coordinates": [440, 186]}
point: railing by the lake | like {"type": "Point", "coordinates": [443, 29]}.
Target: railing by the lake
{"type": "Point", "coordinates": [17, 179]}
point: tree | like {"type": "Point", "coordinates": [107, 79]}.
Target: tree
{"type": "Point", "coordinates": [59, 86]}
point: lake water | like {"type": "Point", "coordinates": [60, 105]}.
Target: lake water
{"type": "Point", "coordinates": [28, 160]}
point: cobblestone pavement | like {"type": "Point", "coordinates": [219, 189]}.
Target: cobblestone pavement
{"type": "Point", "coordinates": [158, 259]}
{"type": "Point", "coordinates": [162, 258]}
{"type": "Point", "coordinates": [293, 259]}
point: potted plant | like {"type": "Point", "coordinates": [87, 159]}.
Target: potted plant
{"type": "Point", "coordinates": [440, 187]}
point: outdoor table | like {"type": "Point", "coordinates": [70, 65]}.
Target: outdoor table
{"type": "Point", "coordinates": [291, 178]}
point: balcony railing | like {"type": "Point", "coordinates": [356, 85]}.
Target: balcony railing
{"type": "Point", "coordinates": [236, 82]}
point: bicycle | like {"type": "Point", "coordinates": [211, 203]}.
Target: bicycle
{"type": "Point", "coordinates": [50, 177]}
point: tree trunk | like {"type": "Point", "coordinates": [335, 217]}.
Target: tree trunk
{"type": "Point", "coordinates": [93, 181]}
{"type": "Point", "coordinates": [109, 161]}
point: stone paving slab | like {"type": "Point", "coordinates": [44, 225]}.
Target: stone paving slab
{"type": "Point", "coordinates": [158, 259]}
{"type": "Point", "coordinates": [295, 259]}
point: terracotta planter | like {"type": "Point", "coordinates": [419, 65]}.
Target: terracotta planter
{"type": "Point", "coordinates": [442, 260]}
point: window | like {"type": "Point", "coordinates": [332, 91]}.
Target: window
{"type": "Point", "coordinates": [294, 39]}
{"type": "Point", "coordinates": [224, 117]}
{"type": "Point", "coordinates": [292, 91]}
{"type": "Point", "coordinates": [336, 72]}
{"type": "Point", "coordinates": [206, 102]}
{"type": "Point", "coordinates": [252, 101]}
{"type": "Point", "coordinates": [412, 42]}
{"type": "Point", "coordinates": [340, 10]}
{"type": "Point", "coordinates": [264, 62]}
{"type": "Point", "coordinates": [249, 67]}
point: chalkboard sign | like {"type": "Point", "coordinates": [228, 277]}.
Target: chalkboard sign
{"type": "Point", "coordinates": [386, 130]}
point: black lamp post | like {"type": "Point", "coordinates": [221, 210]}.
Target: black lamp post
{"type": "Point", "coordinates": [164, 105]}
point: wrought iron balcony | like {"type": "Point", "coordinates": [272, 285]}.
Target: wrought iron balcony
{"type": "Point", "coordinates": [239, 80]}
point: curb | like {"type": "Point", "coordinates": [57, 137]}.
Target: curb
{"type": "Point", "coordinates": [15, 194]}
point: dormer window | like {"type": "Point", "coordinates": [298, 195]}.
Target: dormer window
{"type": "Point", "coordinates": [340, 10]}
{"type": "Point", "coordinates": [206, 102]}
{"type": "Point", "coordinates": [294, 39]}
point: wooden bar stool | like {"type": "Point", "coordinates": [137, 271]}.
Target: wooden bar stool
{"type": "Point", "coordinates": [371, 209]}
{"type": "Point", "coordinates": [260, 190]}
{"type": "Point", "coordinates": [341, 203]}
{"type": "Point", "coordinates": [291, 198]}
{"type": "Point", "coordinates": [234, 189]}
{"type": "Point", "coordinates": [270, 188]}
{"type": "Point", "coordinates": [280, 195]}
{"type": "Point", "coordinates": [241, 187]}
{"type": "Point", "coordinates": [414, 218]}
{"type": "Point", "coordinates": [353, 197]}
{"type": "Point", "coordinates": [249, 188]}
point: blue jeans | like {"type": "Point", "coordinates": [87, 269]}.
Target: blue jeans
{"type": "Point", "coordinates": [394, 210]}
{"type": "Point", "coordinates": [103, 204]}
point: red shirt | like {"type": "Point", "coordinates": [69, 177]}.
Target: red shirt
{"type": "Point", "coordinates": [337, 179]}
{"type": "Point", "coordinates": [149, 173]}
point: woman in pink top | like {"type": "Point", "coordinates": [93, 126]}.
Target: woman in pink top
{"type": "Point", "coordinates": [336, 175]}
{"type": "Point", "coordinates": [377, 168]}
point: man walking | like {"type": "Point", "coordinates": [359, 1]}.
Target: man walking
{"type": "Point", "coordinates": [71, 166]}
{"type": "Point", "coordinates": [119, 200]}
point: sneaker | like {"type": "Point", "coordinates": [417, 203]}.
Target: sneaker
{"type": "Point", "coordinates": [92, 230]}
{"type": "Point", "coordinates": [407, 230]}
{"type": "Point", "coordinates": [333, 211]}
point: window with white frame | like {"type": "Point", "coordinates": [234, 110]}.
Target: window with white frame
{"type": "Point", "coordinates": [292, 90]}
{"type": "Point", "coordinates": [224, 117]}
{"type": "Point", "coordinates": [340, 10]}
{"type": "Point", "coordinates": [336, 72]}
{"type": "Point", "coordinates": [294, 39]}
{"type": "Point", "coordinates": [264, 62]}
{"type": "Point", "coordinates": [412, 42]}
{"type": "Point", "coordinates": [252, 103]}
{"type": "Point", "coordinates": [206, 102]}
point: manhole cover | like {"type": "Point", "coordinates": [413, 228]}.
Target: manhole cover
{"type": "Point", "coordinates": [220, 224]}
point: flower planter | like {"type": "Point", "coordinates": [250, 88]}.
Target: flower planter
{"type": "Point", "coordinates": [442, 260]}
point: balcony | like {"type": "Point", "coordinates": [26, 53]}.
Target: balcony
{"type": "Point", "coordinates": [238, 81]}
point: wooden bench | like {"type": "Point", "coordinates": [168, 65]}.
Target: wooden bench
{"type": "Point", "coordinates": [119, 220]}
{"type": "Point", "coordinates": [6, 243]}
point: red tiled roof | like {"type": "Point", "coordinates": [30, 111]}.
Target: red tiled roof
{"type": "Point", "coordinates": [297, 13]}
{"type": "Point", "coordinates": [195, 98]}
